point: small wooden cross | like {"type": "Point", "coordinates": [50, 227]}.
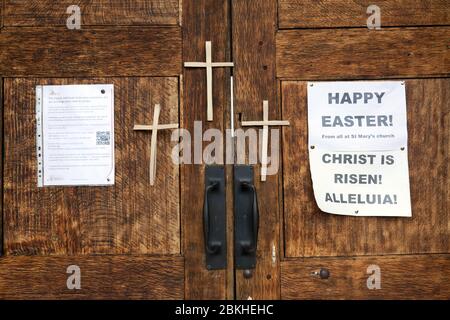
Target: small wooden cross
{"type": "Point", "coordinates": [209, 65]}
{"type": "Point", "coordinates": [265, 139]}
{"type": "Point", "coordinates": [154, 140]}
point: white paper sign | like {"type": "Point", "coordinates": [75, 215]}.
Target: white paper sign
{"type": "Point", "coordinates": [75, 135]}
{"type": "Point", "coordinates": [357, 115]}
{"type": "Point", "coordinates": [358, 148]}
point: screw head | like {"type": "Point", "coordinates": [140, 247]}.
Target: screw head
{"type": "Point", "coordinates": [248, 274]}
{"type": "Point", "coordinates": [324, 273]}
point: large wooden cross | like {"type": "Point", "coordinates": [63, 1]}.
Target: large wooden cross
{"type": "Point", "coordinates": [209, 65]}
{"type": "Point", "coordinates": [265, 123]}
{"type": "Point", "coordinates": [154, 140]}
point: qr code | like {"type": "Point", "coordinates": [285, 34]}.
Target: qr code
{"type": "Point", "coordinates": [103, 138]}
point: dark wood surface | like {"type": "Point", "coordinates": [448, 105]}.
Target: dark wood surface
{"type": "Point", "coordinates": [352, 13]}
{"type": "Point", "coordinates": [322, 54]}
{"type": "Point", "coordinates": [140, 39]}
{"type": "Point", "coordinates": [130, 217]}
{"type": "Point", "coordinates": [52, 228]}
{"type": "Point", "coordinates": [40, 13]}
{"type": "Point", "coordinates": [254, 54]}
{"type": "Point", "coordinates": [309, 232]}
{"type": "Point", "coordinates": [402, 277]}
{"type": "Point", "coordinates": [120, 51]}
{"type": "Point", "coordinates": [102, 277]}
{"type": "Point", "coordinates": [203, 20]}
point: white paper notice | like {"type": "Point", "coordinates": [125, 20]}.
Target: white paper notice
{"type": "Point", "coordinates": [75, 134]}
{"type": "Point", "coordinates": [358, 147]}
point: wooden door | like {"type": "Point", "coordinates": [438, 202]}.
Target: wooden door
{"type": "Point", "coordinates": [131, 240]}
{"type": "Point", "coordinates": [135, 241]}
{"type": "Point", "coordinates": [278, 47]}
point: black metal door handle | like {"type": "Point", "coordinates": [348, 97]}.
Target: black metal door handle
{"type": "Point", "coordinates": [212, 246]}
{"type": "Point", "coordinates": [246, 218]}
{"type": "Point", "coordinates": [214, 218]}
{"type": "Point", "coordinates": [249, 246]}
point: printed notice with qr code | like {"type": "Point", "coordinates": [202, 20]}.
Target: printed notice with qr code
{"type": "Point", "coordinates": [75, 135]}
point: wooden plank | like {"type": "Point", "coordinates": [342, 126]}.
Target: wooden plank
{"type": "Point", "coordinates": [309, 232]}
{"type": "Point", "coordinates": [254, 56]}
{"type": "Point", "coordinates": [42, 13]}
{"type": "Point", "coordinates": [363, 54]}
{"type": "Point", "coordinates": [102, 277]}
{"type": "Point", "coordinates": [165, 206]}
{"type": "Point", "coordinates": [352, 13]}
{"type": "Point", "coordinates": [203, 20]}
{"type": "Point", "coordinates": [402, 277]}
{"type": "Point", "coordinates": [58, 52]}
{"type": "Point", "coordinates": [128, 218]}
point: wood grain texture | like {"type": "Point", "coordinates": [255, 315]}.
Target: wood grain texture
{"type": "Point", "coordinates": [130, 217]}
{"type": "Point", "coordinates": [363, 54]}
{"type": "Point", "coordinates": [352, 13]}
{"type": "Point", "coordinates": [102, 277]}
{"type": "Point", "coordinates": [203, 20]}
{"type": "Point", "coordinates": [58, 52]}
{"type": "Point", "coordinates": [40, 13]}
{"type": "Point", "coordinates": [402, 277]}
{"type": "Point", "coordinates": [309, 232]}
{"type": "Point", "coordinates": [254, 55]}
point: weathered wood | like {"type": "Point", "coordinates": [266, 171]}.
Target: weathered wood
{"type": "Point", "coordinates": [154, 128]}
{"type": "Point", "coordinates": [254, 30]}
{"type": "Point", "coordinates": [402, 277]}
{"type": "Point", "coordinates": [155, 210]}
{"type": "Point", "coordinates": [59, 52]}
{"type": "Point", "coordinates": [229, 114]}
{"type": "Point", "coordinates": [128, 218]}
{"type": "Point", "coordinates": [352, 13]}
{"type": "Point", "coordinates": [203, 20]}
{"type": "Point", "coordinates": [309, 232]}
{"type": "Point", "coordinates": [363, 54]}
{"type": "Point", "coordinates": [209, 65]}
{"type": "Point", "coordinates": [102, 277]}
{"type": "Point", "coordinates": [40, 13]}
{"type": "Point", "coordinates": [266, 124]}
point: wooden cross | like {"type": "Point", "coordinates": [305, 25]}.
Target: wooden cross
{"type": "Point", "coordinates": [265, 139]}
{"type": "Point", "coordinates": [154, 140]}
{"type": "Point", "coordinates": [209, 65]}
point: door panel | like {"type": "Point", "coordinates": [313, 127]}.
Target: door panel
{"type": "Point", "coordinates": [90, 52]}
{"type": "Point", "coordinates": [103, 277]}
{"type": "Point", "coordinates": [321, 54]}
{"type": "Point", "coordinates": [413, 253]}
{"type": "Point", "coordinates": [204, 20]}
{"type": "Point", "coordinates": [402, 277]}
{"type": "Point", "coordinates": [254, 54]}
{"type": "Point", "coordinates": [130, 217]}
{"type": "Point", "coordinates": [127, 238]}
{"type": "Point", "coordinates": [346, 13]}
{"type": "Point", "coordinates": [38, 13]}
{"type": "Point", "coordinates": [309, 232]}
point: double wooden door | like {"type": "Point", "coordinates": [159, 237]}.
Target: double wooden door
{"type": "Point", "coordinates": [138, 241]}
